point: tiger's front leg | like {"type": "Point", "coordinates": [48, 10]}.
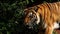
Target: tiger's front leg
{"type": "Point", "coordinates": [49, 29]}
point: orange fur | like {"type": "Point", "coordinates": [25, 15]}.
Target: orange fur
{"type": "Point", "coordinates": [50, 13]}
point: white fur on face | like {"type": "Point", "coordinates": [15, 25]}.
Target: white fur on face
{"type": "Point", "coordinates": [38, 18]}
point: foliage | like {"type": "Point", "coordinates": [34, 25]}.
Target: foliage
{"type": "Point", "coordinates": [54, 32]}
{"type": "Point", "coordinates": [11, 16]}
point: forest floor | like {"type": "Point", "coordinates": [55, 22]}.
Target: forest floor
{"type": "Point", "coordinates": [58, 31]}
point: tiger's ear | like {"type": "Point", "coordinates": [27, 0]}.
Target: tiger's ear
{"type": "Point", "coordinates": [26, 11]}
{"type": "Point", "coordinates": [35, 8]}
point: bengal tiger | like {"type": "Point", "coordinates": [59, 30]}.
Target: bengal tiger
{"type": "Point", "coordinates": [48, 13]}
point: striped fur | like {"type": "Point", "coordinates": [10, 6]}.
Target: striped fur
{"type": "Point", "coordinates": [50, 13]}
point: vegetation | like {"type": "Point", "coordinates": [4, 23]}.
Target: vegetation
{"type": "Point", "coordinates": [11, 16]}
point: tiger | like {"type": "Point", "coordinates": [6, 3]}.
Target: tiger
{"type": "Point", "coordinates": [48, 13]}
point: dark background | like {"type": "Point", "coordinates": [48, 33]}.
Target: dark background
{"type": "Point", "coordinates": [11, 15]}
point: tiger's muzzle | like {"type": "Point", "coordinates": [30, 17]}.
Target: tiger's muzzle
{"type": "Point", "coordinates": [32, 23]}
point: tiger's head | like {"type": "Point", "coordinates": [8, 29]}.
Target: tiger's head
{"type": "Point", "coordinates": [32, 18]}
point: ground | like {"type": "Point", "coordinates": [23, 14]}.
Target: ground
{"type": "Point", "coordinates": [58, 31]}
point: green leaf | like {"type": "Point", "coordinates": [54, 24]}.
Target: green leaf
{"type": "Point", "coordinates": [0, 32]}
{"type": "Point", "coordinates": [8, 32]}
{"type": "Point", "coordinates": [32, 0]}
{"type": "Point", "coordinates": [27, 1]}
